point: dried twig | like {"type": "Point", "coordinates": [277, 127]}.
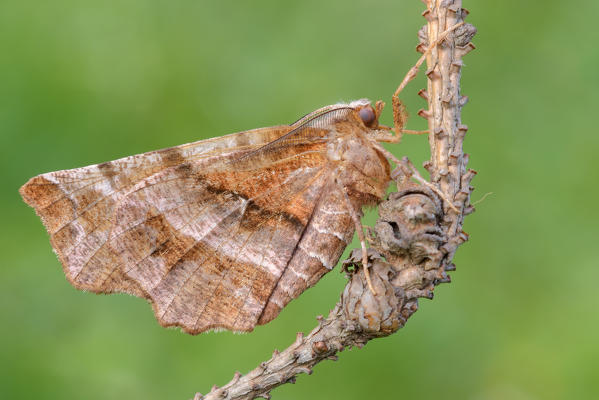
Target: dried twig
{"type": "Point", "coordinates": [415, 237]}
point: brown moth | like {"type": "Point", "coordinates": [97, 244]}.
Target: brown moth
{"type": "Point", "coordinates": [224, 232]}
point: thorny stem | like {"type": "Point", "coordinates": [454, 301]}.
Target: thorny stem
{"type": "Point", "coordinates": [415, 237]}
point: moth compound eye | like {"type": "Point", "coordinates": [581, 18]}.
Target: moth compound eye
{"type": "Point", "coordinates": [367, 115]}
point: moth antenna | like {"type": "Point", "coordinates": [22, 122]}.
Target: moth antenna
{"type": "Point", "coordinates": [319, 119]}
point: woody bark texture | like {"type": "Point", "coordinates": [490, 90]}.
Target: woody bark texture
{"type": "Point", "coordinates": [414, 239]}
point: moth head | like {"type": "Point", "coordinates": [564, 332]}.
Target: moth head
{"type": "Point", "coordinates": [368, 114]}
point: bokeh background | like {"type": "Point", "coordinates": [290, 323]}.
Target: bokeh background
{"type": "Point", "coordinates": [83, 82]}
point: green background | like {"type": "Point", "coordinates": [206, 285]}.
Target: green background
{"type": "Point", "coordinates": [83, 82]}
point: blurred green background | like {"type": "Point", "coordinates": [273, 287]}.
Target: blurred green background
{"type": "Point", "coordinates": [84, 82]}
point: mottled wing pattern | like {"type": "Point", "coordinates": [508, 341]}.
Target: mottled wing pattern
{"type": "Point", "coordinates": [214, 234]}
{"type": "Point", "coordinates": [76, 205]}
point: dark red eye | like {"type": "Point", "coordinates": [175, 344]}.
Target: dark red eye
{"type": "Point", "coordinates": [367, 115]}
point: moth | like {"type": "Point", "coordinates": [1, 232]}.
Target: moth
{"type": "Point", "coordinates": [222, 233]}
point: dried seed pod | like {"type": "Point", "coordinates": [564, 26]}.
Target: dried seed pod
{"type": "Point", "coordinates": [376, 314]}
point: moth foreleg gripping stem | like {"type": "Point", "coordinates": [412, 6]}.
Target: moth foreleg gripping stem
{"type": "Point", "coordinates": [399, 111]}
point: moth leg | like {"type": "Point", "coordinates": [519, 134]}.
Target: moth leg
{"type": "Point", "coordinates": [399, 113]}
{"type": "Point", "coordinates": [385, 137]}
{"type": "Point", "coordinates": [360, 231]}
